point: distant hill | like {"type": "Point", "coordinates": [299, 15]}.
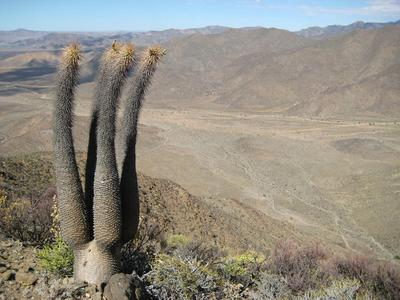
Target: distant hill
{"type": "Point", "coordinates": [316, 32]}
{"type": "Point", "coordinates": [55, 40]}
{"type": "Point", "coordinates": [30, 39]}
{"type": "Point", "coordinates": [275, 70]}
{"type": "Point", "coordinates": [250, 69]}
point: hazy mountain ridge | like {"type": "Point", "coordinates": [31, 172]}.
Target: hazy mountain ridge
{"type": "Point", "coordinates": [54, 40]}
{"type": "Point", "coordinates": [255, 69]}
{"type": "Point", "coordinates": [30, 39]}
{"type": "Point", "coordinates": [317, 32]}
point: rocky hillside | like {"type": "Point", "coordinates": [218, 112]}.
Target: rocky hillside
{"type": "Point", "coordinates": [223, 222]}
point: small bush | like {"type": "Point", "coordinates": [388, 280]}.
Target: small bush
{"type": "Point", "coordinates": [270, 286]}
{"type": "Point", "coordinates": [27, 220]}
{"type": "Point", "coordinates": [353, 267]}
{"type": "Point", "coordinates": [300, 266]}
{"type": "Point", "coordinates": [382, 278]}
{"type": "Point", "coordinates": [242, 264]}
{"type": "Point", "coordinates": [172, 278]}
{"type": "Point", "coordinates": [176, 240]}
{"type": "Point", "coordinates": [198, 251]}
{"type": "Point", "coordinates": [243, 269]}
{"type": "Point", "coordinates": [57, 258]}
{"type": "Point", "coordinates": [341, 289]}
{"type": "Point", "coordinates": [138, 254]}
{"type": "Point", "coordinates": [385, 280]}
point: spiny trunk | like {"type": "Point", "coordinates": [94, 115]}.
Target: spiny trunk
{"type": "Point", "coordinates": [74, 222]}
{"type": "Point", "coordinates": [92, 223]}
{"type": "Point", "coordinates": [129, 186]}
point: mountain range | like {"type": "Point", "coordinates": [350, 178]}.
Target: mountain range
{"type": "Point", "coordinates": [334, 30]}
{"type": "Point", "coordinates": [249, 69]}
{"type": "Point", "coordinates": [23, 38]}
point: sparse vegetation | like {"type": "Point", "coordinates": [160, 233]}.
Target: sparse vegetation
{"type": "Point", "coordinates": [339, 289]}
{"type": "Point", "coordinates": [381, 277]}
{"type": "Point", "coordinates": [299, 265]}
{"type": "Point", "coordinates": [57, 258]}
{"type": "Point", "coordinates": [176, 265]}
{"type": "Point", "coordinates": [28, 220]}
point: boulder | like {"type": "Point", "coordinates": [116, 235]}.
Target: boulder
{"type": "Point", "coordinates": [125, 287]}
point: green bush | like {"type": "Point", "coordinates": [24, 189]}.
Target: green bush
{"type": "Point", "coordinates": [172, 277]}
{"type": "Point", "coordinates": [340, 289]}
{"type": "Point", "coordinates": [177, 240]}
{"type": "Point", "coordinates": [57, 258]}
{"type": "Point", "coordinates": [240, 265]}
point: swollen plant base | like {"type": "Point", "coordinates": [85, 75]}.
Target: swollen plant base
{"type": "Point", "coordinates": [95, 264]}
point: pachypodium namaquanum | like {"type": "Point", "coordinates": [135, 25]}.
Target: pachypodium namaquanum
{"type": "Point", "coordinates": [97, 220]}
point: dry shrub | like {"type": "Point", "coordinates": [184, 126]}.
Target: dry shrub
{"type": "Point", "coordinates": [299, 265]}
{"type": "Point", "coordinates": [385, 280]}
{"type": "Point", "coordinates": [381, 277]}
{"type": "Point", "coordinates": [28, 220]}
{"type": "Point", "coordinates": [138, 254]}
{"type": "Point", "coordinates": [356, 266]}
{"type": "Point", "coordinates": [200, 252]}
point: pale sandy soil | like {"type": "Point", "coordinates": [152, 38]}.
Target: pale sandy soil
{"type": "Point", "coordinates": [338, 181]}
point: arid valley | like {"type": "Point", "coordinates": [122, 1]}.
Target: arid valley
{"type": "Point", "coordinates": [303, 130]}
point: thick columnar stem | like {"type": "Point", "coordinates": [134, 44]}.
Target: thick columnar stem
{"type": "Point", "coordinates": [73, 218]}
{"type": "Point", "coordinates": [92, 224]}
{"type": "Point", "coordinates": [105, 67]}
{"type": "Point", "coordinates": [129, 185]}
{"type": "Point", "coordinates": [106, 200]}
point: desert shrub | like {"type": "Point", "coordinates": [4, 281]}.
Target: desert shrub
{"type": "Point", "coordinates": [198, 251]}
{"type": "Point", "coordinates": [340, 289]}
{"type": "Point", "coordinates": [137, 255]}
{"type": "Point", "coordinates": [270, 286]}
{"type": "Point", "coordinates": [57, 258]}
{"type": "Point", "coordinates": [176, 240]}
{"type": "Point", "coordinates": [353, 267]}
{"type": "Point", "coordinates": [243, 268]}
{"type": "Point", "coordinates": [382, 278]}
{"type": "Point", "coordinates": [27, 220]}
{"type": "Point", "coordinates": [172, 278]}
{"type": "Point", "coordinates": [299, 265]}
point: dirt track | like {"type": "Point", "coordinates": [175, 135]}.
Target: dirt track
{"type": "Point", "coordinates": [289, 168]}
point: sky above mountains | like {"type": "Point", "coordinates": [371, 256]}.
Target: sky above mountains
{"type": "Point", "coordinates": [130, 15]}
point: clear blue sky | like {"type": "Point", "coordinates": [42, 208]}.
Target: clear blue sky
{"type": "Point", "coordinates": [132, 15]}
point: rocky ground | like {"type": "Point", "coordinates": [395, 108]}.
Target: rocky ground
{"type": "Point", "coordinates": [21, 277]}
